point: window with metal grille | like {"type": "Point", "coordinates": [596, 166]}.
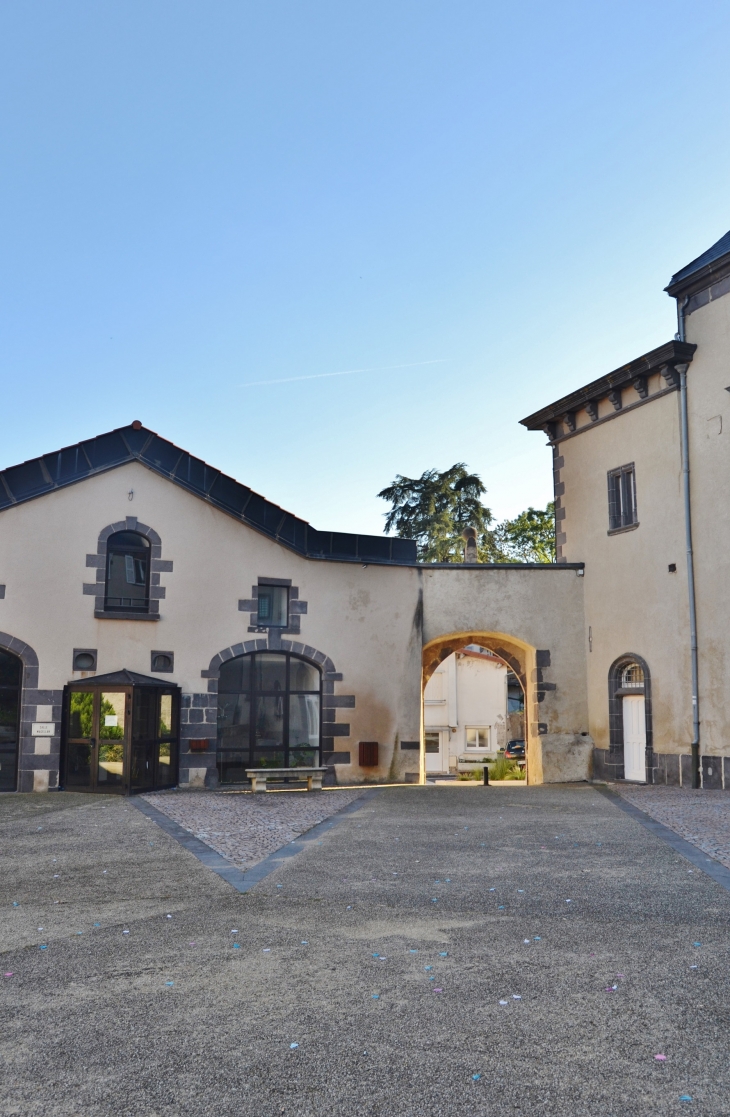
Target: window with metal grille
{"type": "Point", "coordinates": [632, 677]}
{"type": "Point", "coordinates": [621, 497]}
{"type": "Point", "coordinates": [273, 606]}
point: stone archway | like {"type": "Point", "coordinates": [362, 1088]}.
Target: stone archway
{"type": "Point", "coordinates": [519, 656]}
{"type": "Point", "coordinates": [34, 774]}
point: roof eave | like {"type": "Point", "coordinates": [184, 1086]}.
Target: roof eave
{"type": "Point", "coordinates": [700, 279]}
{"type": "Point", "coordinates": [673, 352]}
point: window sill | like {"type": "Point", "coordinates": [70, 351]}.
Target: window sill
{"type": "Point", "coordinates": [101, 615]}
{"type": "Point", "coordinates": [621, 530]}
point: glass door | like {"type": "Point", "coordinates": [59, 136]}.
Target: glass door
{"type": "Point", "coordinates": [121, 738]}
{"type": "Point", "coordinates": [154, 738]}
{"type": "Point", "coordinates": [96, 736]}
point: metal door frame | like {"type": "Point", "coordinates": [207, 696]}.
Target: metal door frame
{"type": "Point", "coordinates": [97, 689]}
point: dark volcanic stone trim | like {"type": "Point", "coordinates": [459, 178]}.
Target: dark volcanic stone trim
{"type": "Point", "coordinates": [719, 873]}
{"type": "Point", "coordinates": [193, 725]}
{"type": "Point", "coordinates": [158, 566]}
{"type": "Point", "coordinates": [245, 881]}
{"type": "Point", "coordinates": [30, 698]}
{"type": "Point", "coordinates": [615, 716]}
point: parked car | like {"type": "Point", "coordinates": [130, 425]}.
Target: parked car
{"type": "Point", "coordinates": [515, 750]}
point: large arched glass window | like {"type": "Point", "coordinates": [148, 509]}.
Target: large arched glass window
{"type": "Point", "coordinates": [127, 573]}
{"type": "Point", "coordinates": [268, 714]}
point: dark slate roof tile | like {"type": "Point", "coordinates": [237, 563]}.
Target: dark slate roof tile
{"type": "Point", "coordinates": [135, 443]}
{"type": "Point", "coordinates": [719, 248]}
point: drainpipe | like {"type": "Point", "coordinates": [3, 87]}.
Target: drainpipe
{"type": "Point", "coordinates": [684, 443]}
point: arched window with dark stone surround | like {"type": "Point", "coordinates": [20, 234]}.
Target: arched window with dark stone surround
{"type": "Point", "coordinates": [268, 714]}
{"type": "Point", "coordinates": [127, 573]}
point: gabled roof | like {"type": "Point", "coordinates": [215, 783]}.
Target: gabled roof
{"type": "Point", "coordinates": [127, 678]}
{"type": "Point", "coordinates": [703, 268]}
{"type": "Point", "coordinates": [34, 478]}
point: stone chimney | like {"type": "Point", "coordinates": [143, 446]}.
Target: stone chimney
{"type": "Point", "coordinates": [469, 536]}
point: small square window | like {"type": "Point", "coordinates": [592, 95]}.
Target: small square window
{"type": "Point", "coordinates": [273, 602]}
{"type": "Point", "coordinates": [621, 497]}
{"type": "Point", "coordinates": [478, 737]}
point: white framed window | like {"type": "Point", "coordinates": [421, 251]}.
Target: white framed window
{"type": "Point", "coordinates": [477, 737]}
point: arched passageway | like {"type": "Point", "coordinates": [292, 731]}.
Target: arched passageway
{"type": "Point", "coordinates": [517, 656]}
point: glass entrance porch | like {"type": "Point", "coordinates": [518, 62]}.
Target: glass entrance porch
{"type": "Point", "coordinates": [121, 734]}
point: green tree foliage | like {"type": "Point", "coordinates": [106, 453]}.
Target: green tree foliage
{"type": "Point", "coordinates": [435, 508]}
{"type": "Point", "coordinates": [530, 537]}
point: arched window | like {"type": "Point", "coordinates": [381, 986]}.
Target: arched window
{"type": "Point", "coordinates": [127, 573]}
{"type": "Point", "coordinates": [10, 677]}
{"type": "Point", "coordinates": [268, 714]}
{"type": "Point", "coordinates": [632, 677]}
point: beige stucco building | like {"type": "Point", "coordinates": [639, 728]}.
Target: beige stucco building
{"type": "Point", "coordinates": [161, 623]}
{"type": "Point", "coordinates": [637, 501]}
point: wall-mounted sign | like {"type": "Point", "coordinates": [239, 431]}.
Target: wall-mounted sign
{"type": "Point", "coordinates": [44, 729]}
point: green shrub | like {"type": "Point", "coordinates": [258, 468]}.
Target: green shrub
{"type": "Point", "coordinates": [475, 774]}
{"type": "Point", "coordinates": [503, 769]}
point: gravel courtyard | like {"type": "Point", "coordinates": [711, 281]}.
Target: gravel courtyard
{"type": "Point", "coordinates": [700, 817]}
{"type": "Point", "coordinates": [246, 827]}
{"type": "Point", "coordinates": [441, 951]}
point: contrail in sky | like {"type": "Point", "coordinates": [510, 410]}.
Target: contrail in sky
{"type": "Point", "coordinates": [345, 372]}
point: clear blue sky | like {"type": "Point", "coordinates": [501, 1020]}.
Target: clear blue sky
{"type": "Point", "coordinates": [209, 207]}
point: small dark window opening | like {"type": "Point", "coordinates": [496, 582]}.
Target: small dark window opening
{"type": "Point", "coordinates": [84, 659]}
{"type": "Point", "coordinates": [163, 661]}
{"type": "Point", "coordinates": [273, 602]}
{"type": "Point", "coordinates": [127, 573]}
{"type": "Point", "coordinates": [621, 497]}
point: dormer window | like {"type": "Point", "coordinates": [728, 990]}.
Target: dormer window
{"type": "Point", "coordinates": [127, 573]}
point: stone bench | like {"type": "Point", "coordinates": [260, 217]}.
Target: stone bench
{"type": "Point", "coordinates": [259, 776]}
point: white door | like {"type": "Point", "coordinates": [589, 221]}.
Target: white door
{"type": "Point", "coordinates": [434, 746]}
{"type": "Point", "coordinates": [634, 737]}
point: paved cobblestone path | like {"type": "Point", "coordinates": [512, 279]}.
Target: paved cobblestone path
{"type": "Point", "coordinates": [700, 817]}
{"type": "Point", "coordinates": [246, 827]}
{"type": "Point", "coordinates": [441, 951]}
